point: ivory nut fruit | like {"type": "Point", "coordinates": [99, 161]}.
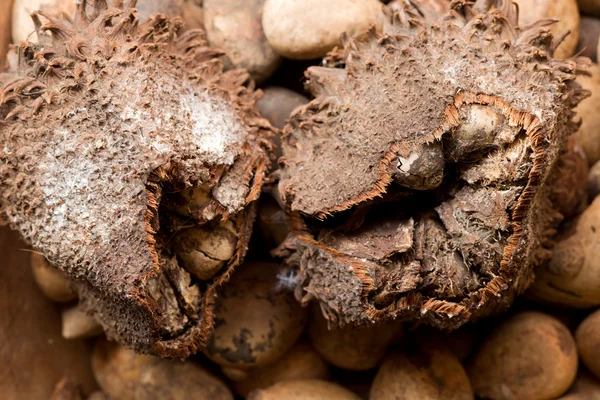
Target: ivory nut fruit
{"type": "Point", "coordinates": [310, 389]}
{"type": "Point", "coordinates": [566, 11]}
{"type": "Point", "coordinates": [350, 347]}
{"type": "Point", "coordinates": [588, 342]}
{"type": "Point", "coordinates": [572, 276]}
{"type": "Point", "coordinates": [256, 319]}
{"type": "Point", "coordinates": [54, 283]}
{"type": "Point", "coordinates": [530, 356]}
{"type": "Point", "coordinates": [203, 252]}
{"type": "Point", "coordinates": [588, 134]}
{"type": "Point", "coordinates": [588, 37]}
{"type": "Point", "coordinates": [411, 183]}
{"type": "Point", "coordinates": [301, 362]}
{"type": "Point", "coordinates": [306, 29]}
{"type": "Point", "coordinates": [426, 372]}
{"type": "Point", "coordinates": [235, 26]}
{"type": "Point", "coordinates": [77, 324]}
{"type": "Point", "coordinates": [125, 375]}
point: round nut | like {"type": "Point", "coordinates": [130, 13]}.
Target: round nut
{"type": "Point", "coordinates": [353, 348]}
{"type": "Point", "coordinates": [235, 26]}
{"type": "Point", "coordinates": [529, 356]}
{"type": "Point", "coordinates": [306, 29]}
{"type": "Point", "coordinates": [256, 320]}
{"type": "Point", "coordinates": [310, 389]}
{"type": "Point", "coordinates": [429, 372]}
{"type": "Point", "coordinates": [53, 282]}
{"type": "Point", "coordinates": [204, 251]}
{"type": "Point", "coordinates": [301, 362]}
{"type": "Point", "coordinates": [588, 342]}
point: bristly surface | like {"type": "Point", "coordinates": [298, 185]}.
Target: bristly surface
{"type": "Point", "coordinates": [418, 178]}
{"type": "Point", "coordinates": [101, 120]}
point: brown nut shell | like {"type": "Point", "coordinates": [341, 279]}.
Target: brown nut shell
{"type": "Point", "coordinates": [257, 320]}
{"type": "Point", "coordinates": [311, 389]}
{"type": "Point", "coordinates": [588, 342]}
{"type": "Point", "coordinates": [425, 372]}
{"type": "Point", "coordinates": [572, 276]}
{"type": "Point", "coordinates": [529, 356]}
{"type": "Point", "coordinates": [349, 347]}
{"type": "Point", "coordinates": [301, 362]}
{"type": "Point", "coordinates": [53, 282]}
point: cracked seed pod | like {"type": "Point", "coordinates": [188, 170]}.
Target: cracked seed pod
{"type": "Point", "coordinates": [115, 137]}
{"type": "Point", "coordinates": [417, 180]}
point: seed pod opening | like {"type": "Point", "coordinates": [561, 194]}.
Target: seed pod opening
{"type": "Point", "coordinates": [118, 136]}
{"type": "Point", "coordinates": [418, 179]}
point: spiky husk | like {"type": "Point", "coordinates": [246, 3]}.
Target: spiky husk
{"type": "Point", "coordinates": [456, 236]}
{"type": "Point", "coordinates": [102, 119]}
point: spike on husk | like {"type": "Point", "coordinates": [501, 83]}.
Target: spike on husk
{"type": "Point", "coordinates": [418, 181]}
{"type": "Point", "coordinates": [103, 123]}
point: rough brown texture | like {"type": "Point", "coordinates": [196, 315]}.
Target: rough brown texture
{"type": "Point", "coordinates": [418, 178]}
{"type": "Point", "coordinates": [102, 121]}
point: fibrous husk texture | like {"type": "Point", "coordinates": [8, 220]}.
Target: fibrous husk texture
{"type": "Point", "coordinates": [104, 119]}
{"type": "Point", "coordinates": [419, 179]}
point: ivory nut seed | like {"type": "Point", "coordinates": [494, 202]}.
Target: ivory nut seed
{"type": "Point", "coordinates": [204, 251]}
{"type": "Point", "coordinates": [77, 324]}
{"type": "Point", "coordinates": [52, 281]}
{"type": "Point", "coordinates": [306, 29]}
{"type": "Point", "coordinates": [235, 26]}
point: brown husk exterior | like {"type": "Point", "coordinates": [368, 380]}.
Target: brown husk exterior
{"type": "Point", "coordinates": [462, 242]}
{"type": "Point", "coordinates": [100, 121]}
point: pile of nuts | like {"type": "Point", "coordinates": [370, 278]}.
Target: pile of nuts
{"type": "Point", "coordinates": [300, 199]}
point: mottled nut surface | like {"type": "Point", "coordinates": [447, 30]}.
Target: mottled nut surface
{"type": "Point", "coordinates": [572, 277]}
{"type": "Point", "coordinates": [421, 373]}
{"type": "Point", "coordinates": [204, 251]}
{"type": "Point", "coordinates": [588, 342]}
{"type": "Point", "coordinates": [588, 134]}
{"type": "Point", "coordinates": [305, 29]}
{"type": "Point", "coordinates": [301, 362]}
{"type": "Point", "coordinates": [53, 282]}
{"type": "Point", "coordinates": [235, 26]}
{"type": "Point", "coordinates": [566, 11]}
{"type": "Point", "coordinates": [179, 380]}
{"type": "Point", "coordinates": [125, 375]}
{"type": "Point", "coordinates": [257, 319]}
{"type": "Point", "coordinates": [353, 348]}
{"type": "Point", "coordinates": [529, 356]}
{"type": "Point", "coordinates": [311, 389]}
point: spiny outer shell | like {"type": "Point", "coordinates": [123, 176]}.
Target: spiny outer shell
{"type": "Point", "coordinates": [398, 94]}
{"type": "Point", "coordinates": [99, 117]}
